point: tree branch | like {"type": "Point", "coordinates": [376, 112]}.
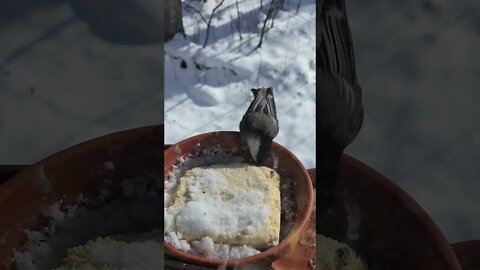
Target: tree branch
{"type": "Point", "coordinates": [298, 6]}
{"type": "Point", "coordinates": [238, 21]}
{"type": "Point", "coordinates": [210, 22]}
{"type": "Point", "coordinates": [270, 14]}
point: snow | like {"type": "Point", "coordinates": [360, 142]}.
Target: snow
{"type": "Point", "coordinates": [127, 226]}
{"type": "Point", "coordinates": [219, 206]}
{"type": "Point", "coordinates": [210, 157]}
{"type": "Point", "coordinates": [208, 89]}
{"type": "Point", "coordinates": [70, 86]}
{"type": "Point", "coordinates": [328, 255]}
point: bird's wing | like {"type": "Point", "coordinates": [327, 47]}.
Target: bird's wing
{"type": "Point", "coordinates": [263, 102]}
{"type": "Point", "coordinates": [335, 49]}
{"type": "Point", "coordinates": [341, 96]}
{"type": "Point", "coordinates": [271, 109]}
{"type": "Point", "coordinates": [339, 101]}
{"type": "Point", "coordinates": [259, 102]}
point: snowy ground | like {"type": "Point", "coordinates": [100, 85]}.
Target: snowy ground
{"type": "Point", "coordinates": [58, 88]}
{"type": "Point", "coordinates": [208, 89]}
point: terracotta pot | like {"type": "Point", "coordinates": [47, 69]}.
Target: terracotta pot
{"type": "Point", "coordinates": [383, 224]}
{"type": "Point", "coordinates": [76, 170]}
{"type": "Point", "coordinates": [394, 232]}
{"type": "Point", "coordinates": [299, 257]}
{"type": "Point", "coordinates": [8, 171]}
{"type": "Point", "coordinates": [288, 166]}
{"type": "Point", "coordinates": [468, 253]}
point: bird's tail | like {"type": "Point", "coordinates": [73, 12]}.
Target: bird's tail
{"type": "Point", "coordinates": [334, 41]}
{"type": "Point", "coordinates": [263, 101]}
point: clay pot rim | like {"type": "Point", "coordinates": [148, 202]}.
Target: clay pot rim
{"type": "Point", "coordinates": [19, 183]}
{"type": "Point", "coordinates": [70, 152]}
{"type": "Point", "coordinates": [436, 235]}
{"type": "Point", "coordinates": [278, 249]}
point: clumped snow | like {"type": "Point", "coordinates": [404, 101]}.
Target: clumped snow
{"type": "Point", "coordinates": [206, 246]}
{"type": "Point", "coordinates": [128, 222]}
{"type": "Point", "coordinates": [208, 89]}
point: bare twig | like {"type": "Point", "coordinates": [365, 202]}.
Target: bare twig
{"type": "Point", "coordinates": [263, 31]}
{"type": "Point", "coordinates": [257, 80]}
{"type": "Point", "coordinates": [298, 6]}
{"type": "Point", "coordinates": [210, 22]}
{"type": "Point", "coordinates": [270, 13]}
{"type": "Point", "coordinates": [278, 5]}
{"type": "Point", "coordinates": [238, 21]}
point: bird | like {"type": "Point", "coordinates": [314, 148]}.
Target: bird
{"type": "Point", "coordinates": [340, 111]}
{"type": "Point", "coordinates": [259, 124]}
